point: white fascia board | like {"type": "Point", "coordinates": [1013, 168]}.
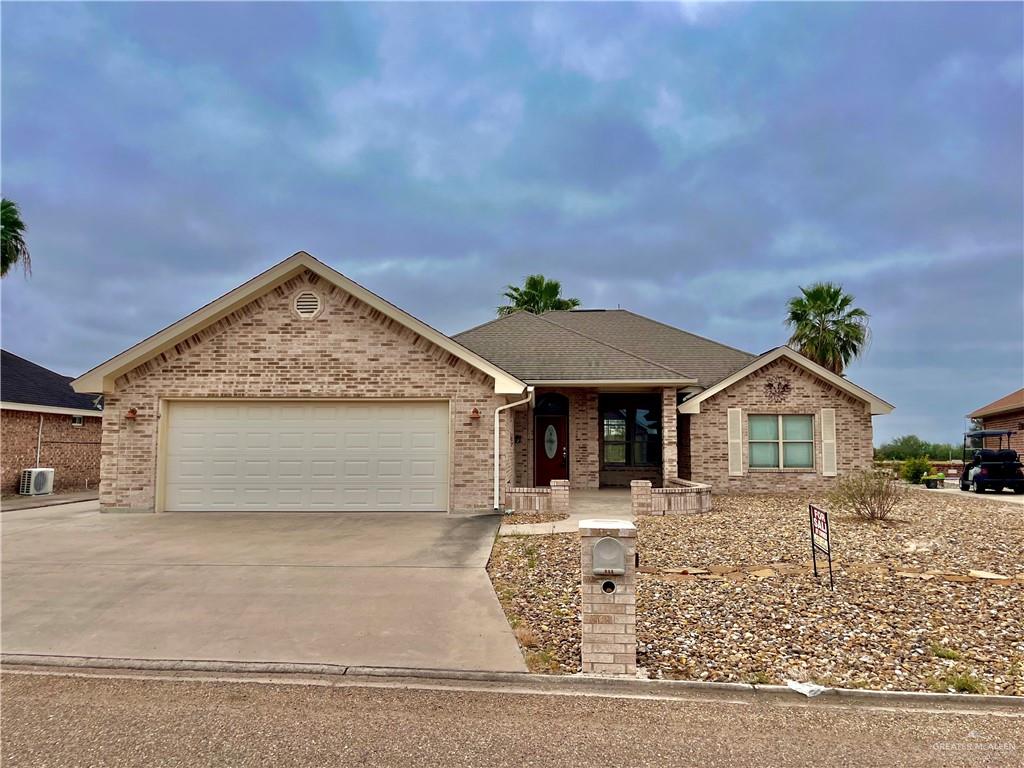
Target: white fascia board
{"type": "Point", "coordinates": [612, 382]}
{"type": "Point", "coordinates": [878, 405]}
{"type": "Point", "coordinates": [50, 409]}
{"type": "Point", "coordinates": [102, 377]}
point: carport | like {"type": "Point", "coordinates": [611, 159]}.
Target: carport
{"type": "Point", "coordinates": [397, 590]}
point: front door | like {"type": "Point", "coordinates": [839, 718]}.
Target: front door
{"type": "Point", "coordinates": [551, 449]}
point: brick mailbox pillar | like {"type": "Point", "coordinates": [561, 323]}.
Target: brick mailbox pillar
{"type": "Point", "coordinates": [608, 599]}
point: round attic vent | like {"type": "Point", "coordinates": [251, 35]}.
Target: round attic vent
{"type": "Point", "coordinates": [307, 304]}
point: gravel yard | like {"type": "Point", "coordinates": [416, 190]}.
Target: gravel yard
{"type": "Point", "coordinates": [729, 596]}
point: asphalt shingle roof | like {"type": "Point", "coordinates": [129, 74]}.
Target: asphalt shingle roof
{"type": "Point", "coordinates": [22, 381]}
{"type": "Point", "coordinates": [599, 345]}
{"type": "Point", "coordinates": [533, 348]}
{"type": "Point", "coordinates": [1011, 402]}
{"type": "Point", "coordinates": [705, 360]}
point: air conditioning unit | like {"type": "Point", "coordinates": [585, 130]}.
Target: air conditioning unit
{"type": "Point", "coordinates": [37, 481]}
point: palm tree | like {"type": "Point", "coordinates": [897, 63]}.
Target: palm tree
{"type": "Point", "coordinates": [537, 295]}
{"type": "Point", "coordinates": [827, 328]}
{"type": "Point", "coordinates": [12, 238]}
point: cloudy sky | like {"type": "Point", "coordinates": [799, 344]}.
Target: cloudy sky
{"type": "Point", "coordinates": [693, 163]}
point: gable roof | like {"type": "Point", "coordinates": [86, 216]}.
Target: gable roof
{"type": "Point", "coordinates": [878, 405]}
{"type": "Point", "coordinates": [101, 378]}
{"type": "Point", "coordinates": [541, 351]}
{"type": "Point", "coordinates": [702, 359]}
{"type": "Point", "coordinates": [1012, 402]}
{"type": "Point", "coordinates": [24, 383]}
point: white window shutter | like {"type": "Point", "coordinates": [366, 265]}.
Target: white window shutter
{"type": "Point", "coordinates": [828, 442]}
{"type": "Point", "coordinates": [735, 428]}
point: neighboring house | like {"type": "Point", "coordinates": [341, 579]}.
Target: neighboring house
{"type": "Point", "coordinates": [45, 423]}
{"type": "Point", "coordinates": [1005, 413]}
{"type": "Point", "coordinates": [301, 390]}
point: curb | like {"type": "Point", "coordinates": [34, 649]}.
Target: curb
{"type": "Point", "coordinates": [545, 682]}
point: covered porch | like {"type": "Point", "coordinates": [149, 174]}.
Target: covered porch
{"type": "Point", "coordinates": [598, 437]}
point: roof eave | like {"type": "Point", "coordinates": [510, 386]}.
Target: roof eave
{"type": "Point", "coordinates": [878, 406]}
{"type": "Point", "coordinates": [102, 377]}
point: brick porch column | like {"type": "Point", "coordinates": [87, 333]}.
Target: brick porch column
{"type": "Point", "coordinates": [669, 439]}
{"type": "Point", "coordinates": [560, 496]}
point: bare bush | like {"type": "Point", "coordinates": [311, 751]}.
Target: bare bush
{"type": "Point", "coordinates": [869, 494]}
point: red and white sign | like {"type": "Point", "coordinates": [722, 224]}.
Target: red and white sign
{"type": "Point", "coordinates": [819, 529]}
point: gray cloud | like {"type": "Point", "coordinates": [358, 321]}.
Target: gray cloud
{"type": "Point", "coordinates": [695, 165]}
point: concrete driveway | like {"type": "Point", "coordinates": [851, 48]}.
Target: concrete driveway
{"type": "Point", "coordinates": [391, 590]}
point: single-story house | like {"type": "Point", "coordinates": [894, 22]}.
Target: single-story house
{"type": "Point", "coordinates": [1004, 413]}
{"type": "Point", "coordinates": [302, 390]}
{"type": "Point", "coordinates": [45, 423]}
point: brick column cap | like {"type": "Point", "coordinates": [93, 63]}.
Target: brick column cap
{"type": "Point", "coordinates": [641, 484]}
{"type": "Point", "coordinates": [606, 527]}
{"type": "Point", "coordinates": [559, 483]}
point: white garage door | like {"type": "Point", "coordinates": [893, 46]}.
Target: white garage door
{"type": "Point", "coordinates": [317, 456]}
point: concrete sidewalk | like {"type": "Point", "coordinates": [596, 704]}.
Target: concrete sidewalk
{"type": "Point", "coordinates": [606, 503]}
{"type": "Point", "coordinates": [52, 500]}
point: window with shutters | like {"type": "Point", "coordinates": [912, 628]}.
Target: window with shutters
{"type": "Point", "coordinates": [777, 441]}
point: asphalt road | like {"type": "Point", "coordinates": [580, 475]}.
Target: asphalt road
{"type": "Point", "coordinates": [83, 721]}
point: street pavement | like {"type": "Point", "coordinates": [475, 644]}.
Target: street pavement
{"type": "Point", "coordinates": [145, 720]}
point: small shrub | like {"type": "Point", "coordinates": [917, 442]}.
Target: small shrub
{"type": "Point", "coordinates": [527, 637]}
{"type": "Point", "coordinates": [914, 469]}
{"type": "Point", "coordinates": [867, 494]}
{"type": "Point", "coordinates": [961, 682]}
{"type": "Point", "coordinates": [944, 653]}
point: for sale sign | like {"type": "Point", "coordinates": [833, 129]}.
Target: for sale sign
{"type": "Point", "coordinates": [820, 539]}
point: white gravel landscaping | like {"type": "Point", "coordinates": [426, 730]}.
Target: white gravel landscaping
{"type": "Point", "coordinates": [729, 596]}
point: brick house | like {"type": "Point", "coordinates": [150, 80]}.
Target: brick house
{"type": "Point", "coordinates": [45, 423]}
{"type": "Point", "coordinates": [302, 390]}
{"type": "Point", "coordinates": [1005, 413]}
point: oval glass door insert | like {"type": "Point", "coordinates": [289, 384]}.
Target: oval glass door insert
{"type": "Point", "coordinates": [550, 441]}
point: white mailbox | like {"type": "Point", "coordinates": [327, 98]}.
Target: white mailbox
{"type": "Point", "coordinates": [609, 557]}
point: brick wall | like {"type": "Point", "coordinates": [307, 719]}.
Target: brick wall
{"type": "Point", "coordinates": [1011, 420]}
{"type": "Point", "coordinates": [264, 350]}
{"type": "Point", "coordinates": [808, 395]}
{"type": "Point", "coordinates": [73, 452]}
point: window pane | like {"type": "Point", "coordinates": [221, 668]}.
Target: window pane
{"type": "Point", "coordinates": [798, 454]}
{"type": "Point", "coordinates": [646, 453]}
{"type": "Point", "coordinates": [764, 427]}
{"type": "Point", "coordinates": [764, 454]}
{"type": "Point", "coordinates": [648, 424]}
{"type": "Point", "coordinates": [615, 425]}
{"type": "Point", "coordinates": [797, 428]}
{"type": "Point", "coordinates": [614, 453]}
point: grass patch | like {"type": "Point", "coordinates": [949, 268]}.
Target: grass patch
{"type": "Point", "coordinates": [542, 661]}
{"type": "Point", "coordinates": [943, 652]}
{"type": "Point", "coordinates": [531, 556]}
{"type": "Point", "coordinates": [761, 678]}
{"type": "Point", "coordinates": [527, 637]}
{"type": "Point", "coordinates": [961, 682]}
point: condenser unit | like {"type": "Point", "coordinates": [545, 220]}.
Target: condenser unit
{"type": "Point", "coordinates": [37, 481]}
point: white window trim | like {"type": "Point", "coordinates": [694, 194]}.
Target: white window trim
{"type": "Point", "coordinates": [781, 441]}
{"type": "Point", "coordinates": [78, 421]}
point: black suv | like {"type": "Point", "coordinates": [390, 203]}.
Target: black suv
{"type": "Point", "coordinates": [991, 470]}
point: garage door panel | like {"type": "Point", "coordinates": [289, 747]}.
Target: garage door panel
{"type": "Point", "coordinates": [313, 456]}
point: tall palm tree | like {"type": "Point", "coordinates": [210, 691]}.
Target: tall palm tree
{"type": "Point", "coordinates": [12, 238]}
{"type": "Point", "coordinates": [827, 328]}
{"type": "Point", "coordinates": [537, 295]}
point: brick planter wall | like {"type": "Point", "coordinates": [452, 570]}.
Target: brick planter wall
{"type": "Point", "coordinates": [677, 498]}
